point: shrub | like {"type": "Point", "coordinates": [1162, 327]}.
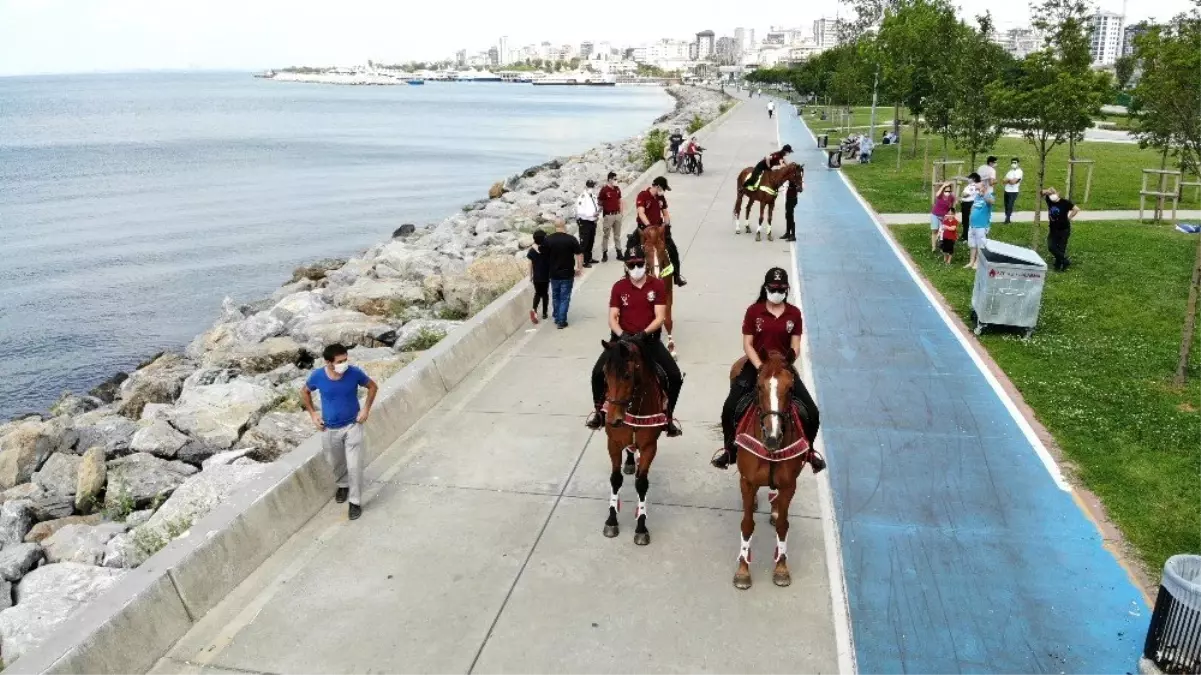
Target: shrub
{"type": "Point", "coordinates": [150, 542]}
{"type": "Point", "coordinates": [696, 124]}
{"type": "Point", "coordinates": [121, 506]}
{"type": "Point", "coordinates": [452, 314]}
{"type": "Point", "coordinates": [725, 107]}
{"type": "Point", "coordinates": [425, 338]}
{"type": "Point", "coordinates": [653, 148]}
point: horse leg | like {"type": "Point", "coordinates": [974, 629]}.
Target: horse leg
{"type": "Point", "coordinates": [669, 323]}
{"type": "Point", "coordinates": [759, 227]}
{"type": "Point", "coordinates": [615, 480]}
{"type": "Point", "coordinates": [642, 483]}
{"type": "Point", "coordinates": [746, 218]}
{"type": "Point", "coordinates": [742, 577]}
{"type": "Point", "coordinates": [771, 210]}
{"type": "Point", "coordinates": [738, 209]}
{"type": "Point", "coordinates": [781, 576]}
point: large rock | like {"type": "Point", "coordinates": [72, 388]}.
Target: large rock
{"type": "Point", "coordinates": [400, 260]}
{"type": "Point", "coordinates": [380, 298]}
{"type": "Point", "coordinates": [159, 382]}
{"type": "Point", "coordinates": [80, 543]}
{"type": "Point", "coordinates": [260, 357]}
{"type": "Point", "coordinates": [277, 433]}
{"type": "Point", "coordinates": [111, 433]}
{"type": "Point", "coordinates": [213, 373]}
{"type": "Point", "coordinates": [71, 404]}
{"type": "Point", "coordinates": [191, 502]}
{"type": "Point", "coordinates": [298, 305]}
{"type": "Point", "coordinates": [46, 598]}
{"type": "Point", "coordinates": [137, 480]}
{"type": "Point", "coordinates": [59, 474]}
{"type": "Point", "coordinates": [16, 519]}
{"type": "Point", "coordinates": [257, 328]}
{"type": "Point", "coordinates": [159, 439]}
{"type": "Point", "coordinates": [343, 326]}
{"type": "Point", "coordinates": [25, 449]}
{"type": "Point", "coordinates": [317, 270]}
{"type": "Point", "coordinates": [44, 529]}
{"type": "Point", "coordinates": [195, 452]}
{"type": "Point", "coordinates": [107, 391]}
{"type": "Point", "coordinates": [219, 413]}
{"type": "Point", "coordinates": [89, 484]}
{"type": "Point", "coordinates": [47, 505]}
{"type": "Point", "coordinates": [485, 280]}
{"type": "Point", "coordinates": [17, 559]}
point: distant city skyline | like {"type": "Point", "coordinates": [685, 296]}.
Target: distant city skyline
{"type": "Point", "coordinates": [69, 36]}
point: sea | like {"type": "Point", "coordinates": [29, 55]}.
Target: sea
{"type": "Point", "coordinates": [132, 204]}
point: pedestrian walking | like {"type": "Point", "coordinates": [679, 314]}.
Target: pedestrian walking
{"type": "Point", "coordinates": [611, 217]}
{"type": "Point", "coordinates": [587, 210]}
{"type": "Point", "coordinates": [539, 275]}
{"type": "Point", "coordinates": [790, 199]}
{"type": "Point", "coordinates": [981, 220]}
{"type": "Point", "coordinates": [1013, 186]}
{"type": "Point", "coordinates": [1060, 213]}
{"type": "Point", "coordinates": [944, 203]}
{"type": "Point", "coordinates": [565, 260]}
{"type": "Point", "coordinates": [967, 199]}
{"type": "Point", "coordinates": [341, 421]}
{"type": "Point", "coordinates": [771, 109]}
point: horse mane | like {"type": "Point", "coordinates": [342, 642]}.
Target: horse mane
{"type": "Point", "coordinates": [619, 357]}
{"type": "Point", "coordinates": [777, 177]}
{"type": "Point", "coordinates": [774, 363]}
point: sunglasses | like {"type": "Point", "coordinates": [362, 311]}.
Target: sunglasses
{"type": "Point", "coordinates": [635, 265]}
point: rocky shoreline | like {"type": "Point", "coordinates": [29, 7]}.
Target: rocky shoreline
{"type": "Point", "coordinates": [107, 479]}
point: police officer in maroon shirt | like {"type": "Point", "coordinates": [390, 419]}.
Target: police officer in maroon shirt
{"type": "Point", "coordinates": [637, 308]}
{"type": "Point", "coordinates": [771, 324]}
{"type": "Point", "coordinates": [651, 205]}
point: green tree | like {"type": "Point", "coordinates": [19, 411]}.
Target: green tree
{"type": "Point", "coordinates": [974, 120]}
{"type": "Point", "coordinates": [1123, 71]}
{"type": "Point", "coordinates": [1055, 93]}
{"type": "Point", "coordinates": [1167, 105]}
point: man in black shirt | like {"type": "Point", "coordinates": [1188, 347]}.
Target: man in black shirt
{"type": "Point", "coordinates": [1060, 213]}
{"type": "Point", "coordinates": [790, 198]}
{"type": "Point", "coordinates": [565, 258]}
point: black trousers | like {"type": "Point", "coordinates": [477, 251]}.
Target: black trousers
{"type": "Point", "coordinates": [789, 220]}
{"type": "Point", "coordinates": [655, 351]}
{"type": "Point", "coordinates": [744, 383]}
{"type": "Point", "coordinates": [965, 213]}
{"type": "Point", "coordinates": [1011, 198]}
{"type": "Point", "coordinates": [541, 294]}
{"type": "Point", "coordinates": [587, 238]}
{"type": "Point", "coordinates": [1057, 244]}
{"type": "Point", "coordinates": [756, 172]}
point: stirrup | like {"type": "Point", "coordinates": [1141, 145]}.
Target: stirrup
{"type": "Point", "coordinates": [816, 461]}
{"type": "Point", "coordinates": [721, 459]}
{"type": "Point", "coordinates": [595, 421]}
{"type": "Point", "coordinates": [680, 280]}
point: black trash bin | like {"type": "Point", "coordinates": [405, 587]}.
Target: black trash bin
{"type": "Point", "coordinates": [1174, 637]}
{"type": "Point", "coordinates": [834, 159]}
{"type": "Point", "coordinates": [823, 140]}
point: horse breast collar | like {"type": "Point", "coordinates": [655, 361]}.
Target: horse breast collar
{"type": "Point", "coordinates": [753, 445]}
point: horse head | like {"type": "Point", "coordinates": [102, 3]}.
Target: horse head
{"type": "Point", "coordinates": [774, 394]}
{"type": "Point", "coordinates": [654, 242]}
{"type": "Point", "coordinates": [623, 368]}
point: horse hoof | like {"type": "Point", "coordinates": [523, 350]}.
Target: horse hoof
{"type": "Point", "coordinates": [611, 531]}
{"type": "Point", "coordinates": [748, 229]}
{"type": "Point", "coordinates": [782, 579]}
{"type": "Point", "coordinates": [742, 581]}
{"type": "Point", "coordinates": [758, 236]}
{"type": "Point", "coordinates": [769, 237]}
{"type": "Point", "coordinates": [642, 538]}
{"type": "Point", "coordinates": [628, 469]}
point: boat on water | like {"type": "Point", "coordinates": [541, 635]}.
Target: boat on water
{"type": "Point", "coordinates": [416, 80]}
{"type": "Point", "coordinates": [477, 76]}
{"type": "Point", "coordinates": [577, 80]}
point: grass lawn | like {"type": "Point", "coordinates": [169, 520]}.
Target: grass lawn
{"type": "Point", "coordinates": [1117, 174]}
{"type": "Point", "coordinates": [1098, 371]}
{"type": "Point", "coordinates": [860, 121]}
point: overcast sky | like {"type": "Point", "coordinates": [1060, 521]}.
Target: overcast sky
{"type": "Point", "coordinates": [68, 36]}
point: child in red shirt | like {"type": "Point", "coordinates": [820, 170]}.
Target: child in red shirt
{"type": "Point", "coordinates": [949, 232]}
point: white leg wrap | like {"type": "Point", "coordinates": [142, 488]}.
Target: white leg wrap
{"type": "Point", "coordinates": [615, 502]}
{"type": "Point", "coordinates": [744, 553]}
{"type": "Point", "coordinates": [641, 509]}
{"type": "Point", "coordinates": [781, 548]}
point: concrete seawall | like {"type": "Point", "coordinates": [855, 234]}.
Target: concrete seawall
{"type": "Point", "coordinates": [131, 626]}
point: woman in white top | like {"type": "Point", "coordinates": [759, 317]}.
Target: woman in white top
{"type": "Point", "coordinates": [967, 199]}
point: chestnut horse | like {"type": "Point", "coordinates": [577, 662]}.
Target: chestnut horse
{"type": "Point", "coordinates": [634, 417]}
{"type": "Point", "coordinates": [773, 448]}
{"type": "Point", "coordinates": [658, 264]}
{"type": "Point", "coordinates": [769, 186]}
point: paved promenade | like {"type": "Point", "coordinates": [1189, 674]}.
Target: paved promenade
{"type": "Point", "coordinates": [480, 546]}
{"type": "Point", "coordinates": [963, 547]}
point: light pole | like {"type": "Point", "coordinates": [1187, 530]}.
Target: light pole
{"type": "Point", "coordinates": [871, 130]}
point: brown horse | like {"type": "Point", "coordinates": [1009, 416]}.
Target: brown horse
{"type": "Point", "coordinates": [634, 418]}
{"type": "Point", "coordinates": [658, 263]}
{"type": "Point", "coordinates": [769, 186]}
{"type": "Point", "coordinates": [773, 449]}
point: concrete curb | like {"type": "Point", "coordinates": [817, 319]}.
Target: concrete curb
{"type": "Point", "coordinates": [129, 628]}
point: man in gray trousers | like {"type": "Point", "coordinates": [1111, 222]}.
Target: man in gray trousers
{"type": "Point", "coordinates": [341, 421]}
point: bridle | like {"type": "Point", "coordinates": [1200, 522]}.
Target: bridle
{"type": "Point", "coordinates": [636, 394]}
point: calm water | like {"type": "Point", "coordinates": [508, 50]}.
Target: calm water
{"type": "Point", "coordinates": [130, 205]}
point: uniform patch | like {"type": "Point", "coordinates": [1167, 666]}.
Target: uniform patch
{"type": "Point", "coordinates": [790, 325]}
{"type": "Point", "coordinates": [651, 297]}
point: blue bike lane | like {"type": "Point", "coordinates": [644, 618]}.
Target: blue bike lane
{"type": "Point", "coordinates": [963, 548]}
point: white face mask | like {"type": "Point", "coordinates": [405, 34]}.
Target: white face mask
{"type": "Point", "coordinates": [1013, 165]}
{"type": "Point", "coordinates": [340, 368]}
{"type": "Point", "coordinates": [637, 273]}
{"type": "Point", "coordinates": [1053, 197]}
{"type": "Point", "coordinates": [776, 298]}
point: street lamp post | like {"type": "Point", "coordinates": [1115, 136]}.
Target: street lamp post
{"type": "Point", "coordinates": [871, 130]}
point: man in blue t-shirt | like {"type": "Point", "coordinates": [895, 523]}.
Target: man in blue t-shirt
{"type": "Point", "coordinates": [341, 420]}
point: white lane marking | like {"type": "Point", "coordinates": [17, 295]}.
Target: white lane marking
{"type": "Point", "coordinates": [1031, 437]}
{"type": "Point", "coordinates": [844, 638]}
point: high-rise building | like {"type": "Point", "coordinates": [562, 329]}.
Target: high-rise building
{"type": "Point", "coordinates": [493, 56]}
{"type": "Point", "coordinates": [586, 50]}
{"type": "Point", "coordinates": [461, 58]}
{"type": "Point", "coordinates": [745, 37]}
{"type": "Point", "coordinates": [704, 44]}
{"type": "Point", "coordinates": [1107, 38]}
{"type": "Point", "coordinates": [775, 36]}
{"type": "Point", "coordinates": [726, 50]}
{"type": "Point", "coordinates": [825, 32]}
{"type": "Point", "coordinates": [1020, 42]}
{"type": "Point", "coordinates": [502, 51]}
{"type": "Point", "coordinates": [1129, 36]}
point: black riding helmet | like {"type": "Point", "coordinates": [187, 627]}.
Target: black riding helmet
{"type": "Point", "coordinates": [776, 279]}
{"type": "Point", "coordinates": [635, 254]}
{"type": "Point", "coordinates": [786, 149]}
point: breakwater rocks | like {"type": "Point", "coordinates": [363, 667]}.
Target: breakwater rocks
{"type": "Point", "coordinates": [107, 479]}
